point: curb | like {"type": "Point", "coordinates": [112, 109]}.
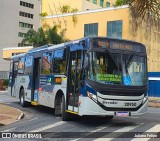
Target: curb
{"type": "Point", "coordinates": [18, 118]}
{"type": "Point", "coordinates": [21, 115]}
{"type": "Point", "coordinates": [154, 104]}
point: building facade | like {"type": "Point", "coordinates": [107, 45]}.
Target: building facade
{"type": "Point", "coordinates": [17, 17]}
{"type": "Point", "coordinates": [103, 3]}
{"type": "Point", "coordinates": [111, 22]}
{"type": "Point", "coordinates": [53, 7]}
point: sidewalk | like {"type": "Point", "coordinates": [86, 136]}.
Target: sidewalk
{"type": "Point", "coordinates": [9, 114]}
{"type": "Point", "coordinates": [154, 102]}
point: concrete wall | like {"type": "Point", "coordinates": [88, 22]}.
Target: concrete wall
{"type": "Point", "coordinates": [9, 25]}
{"type": "Point", "coordinates": [102, 16]}
{"type": "Point", "coordinates": [53, 7]}
{"type": "Point", "coordinates": [8, 52]}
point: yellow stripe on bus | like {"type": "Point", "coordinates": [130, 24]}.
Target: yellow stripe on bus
{"type": "Point", "coordinates": [34, 103]}
{"type": "Point", "coordinates": [72, 112]}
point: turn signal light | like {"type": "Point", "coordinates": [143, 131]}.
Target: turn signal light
{"type": "Point", "coordinates": [58, 80]}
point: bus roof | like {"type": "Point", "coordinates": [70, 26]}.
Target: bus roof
{"type": "Point", "coordinates": [18, 55]}
{"type": "Point", "coordinates": [52, 47]}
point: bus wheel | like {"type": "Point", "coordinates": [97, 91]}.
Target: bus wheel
{"type": "Point", "coordinates": [22, 98]}
{"type": "Point", "coordinates": [58, 106]}
{"type": "Point", "coordinates": [65, 115]}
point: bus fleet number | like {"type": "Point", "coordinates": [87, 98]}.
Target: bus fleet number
{"type": "Point", "coordinates": [129, 104]}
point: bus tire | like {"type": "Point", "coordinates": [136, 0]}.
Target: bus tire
{"type": "Point", "coordinates": [22, 98]}
{"type": "Point", "coordinates": [65, 115]}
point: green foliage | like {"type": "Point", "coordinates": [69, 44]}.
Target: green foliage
{"type": "Point", "coordinates": [44, 14]}
{"type": "Point", "coordinates": [5, 82]}
{"type": "Point", "coordinates": [120, 2]}
{"type": "Point", "coordinates": [65, 9]}
{"type": "Point", "coordinates": [68, 9]}
{"type": "Point", "coordinates": [74, 10]}
{"type": "Point", "coordinates": [41, 37]}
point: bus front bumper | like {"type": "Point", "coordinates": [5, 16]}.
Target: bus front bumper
{"type": "Point", "coordinates": [89, 107]}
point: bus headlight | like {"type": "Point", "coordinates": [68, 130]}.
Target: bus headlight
{"type": "Point", "coordinates": [92, 96]}
{"type": "Point", "coordinates": [145, 99]}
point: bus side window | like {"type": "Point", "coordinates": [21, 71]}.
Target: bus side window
{"type": "Point", "coordinates": [21, 66]}
{"type": "Point", "coordinates": [59, 61]}
{"type": "Point", "coordinates": [46, 63]}
{"type": "Point", "coordinates": [15, 69]}
{"type": "Point", "coordinates": [28, 65]}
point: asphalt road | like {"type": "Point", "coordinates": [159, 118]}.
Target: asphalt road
{"type": "Point", "coordinates": [41, 119]}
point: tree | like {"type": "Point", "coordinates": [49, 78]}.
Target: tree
{"type": "Point", "coordinates": [142, 8]}
{"type": "Point", "coordinates": [120, 2]}
{"type": "Point", "coordinates": [142, 12]}
{"type": "Point", "coordinates": [44, 36]}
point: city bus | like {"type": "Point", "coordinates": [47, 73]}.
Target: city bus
{"type": "Point", "coordinates": [90, 76]}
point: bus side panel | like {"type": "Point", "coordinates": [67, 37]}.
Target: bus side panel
{"type": "Point", "coordinates": [23, 82]}
{"type": "Point", "coordinates": [47, 98]}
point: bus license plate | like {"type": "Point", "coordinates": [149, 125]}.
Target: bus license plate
{"type": "Point", "coordinates": [122, 114]}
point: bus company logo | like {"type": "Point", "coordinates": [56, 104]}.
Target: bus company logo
{"type": "Point", "coordinates": [6, 135]}
{"type": "Point", "coordinates": [108, 103]}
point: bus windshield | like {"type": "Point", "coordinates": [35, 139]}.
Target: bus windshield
{"type": "Point", "coordinates": [134, 69]}
{"type": "Point", "coordinates": [107, 68]}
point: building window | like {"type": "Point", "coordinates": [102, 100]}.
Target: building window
{"type": "Point", "coordinates": [91, 29]}
{"type": "Point", "coordinates": [95, 1]}
{"type": "Point", "coordinates": [21, 34]}
{"type": "Point", "coordinates": [28, 15]}
{"type": "Point", "coordinates": [114, 29]}
{"type": "Point", "coordinates": [22, 24]}
{"type": "Point", "coordinates": [107, 4]}
{"type": "Point", "coordinates": [46, 63]}
{"type": "Point", "coordinates": [101, 3]}
{"type": "Point", "coordinates": [25, 4]}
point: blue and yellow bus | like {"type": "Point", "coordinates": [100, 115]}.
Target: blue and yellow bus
{"type": "Point", "coordinates": [89, 76]}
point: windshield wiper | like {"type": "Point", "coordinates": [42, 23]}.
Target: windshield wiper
{"type": "Point", "coordinates": [130, 60]}
{"type": "Point", "coordinates": [115, 60]}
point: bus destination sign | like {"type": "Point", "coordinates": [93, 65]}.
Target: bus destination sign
{"type": "Point", "coordinates": [112, 44]}
{"type": "Point", "coordinates": [118, 45]}
{"type": "Point", "coordinates": [101, 44]}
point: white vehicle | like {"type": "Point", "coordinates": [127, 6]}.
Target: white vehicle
{"type": "Point", "coordinates": [90, 76]}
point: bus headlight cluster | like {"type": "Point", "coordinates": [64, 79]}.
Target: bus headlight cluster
{"type": "Point", "coordinates": [92, 96]}
{"type": "Point", "coordinates": [145, 99]}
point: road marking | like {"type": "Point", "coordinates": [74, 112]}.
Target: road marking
{"type": "Point", "coordinates": [32, 119]}
{"type": "Point", "coordinates": [154, 129]}
{"type": "Point", "coordinates": [11, 129]}
{"type": "Point", "coordinates": [119, 132]}
{"type": "Point", "coordinates": [49, 126]}
{"type": "Point", "coordinates": [100, 128]}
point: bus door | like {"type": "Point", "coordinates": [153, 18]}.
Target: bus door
{"type": "Point", "coordinates": [36, 75]}
{"type": "Point", "coordinates": [74, 80]}
{"type": "Point", "coordinates": [13, 78]}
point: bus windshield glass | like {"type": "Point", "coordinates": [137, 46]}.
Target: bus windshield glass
{"type": "Point", "coordinates": [105, 68]}
{"type": "Point", "coordinates": [118, 68]}
{"type": "Point", "coordinates": [134, 69]}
